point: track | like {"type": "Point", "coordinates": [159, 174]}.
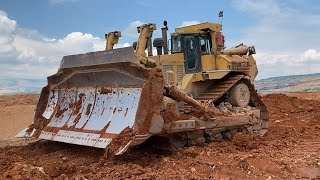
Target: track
{"type": "Point", "coordinates": [214, 92]}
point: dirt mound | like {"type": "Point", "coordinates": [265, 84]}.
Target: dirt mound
{"type": "Point", "coordinates": [290, 150]}
{"type": "Point", "coordinates": [281, 105]}
{"type": "Point", "coordinates": [23, 171]}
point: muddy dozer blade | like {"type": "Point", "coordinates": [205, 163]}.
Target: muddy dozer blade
{"type": "Point", "coordinates": [93, 97]}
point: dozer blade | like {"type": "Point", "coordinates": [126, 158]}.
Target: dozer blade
{"type": "Point", "coordinates": [90, 116]}
{"type": "Point", "coordinates": [93, 97]}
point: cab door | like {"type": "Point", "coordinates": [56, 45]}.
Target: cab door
{"type": "Point", "coordinates": [192, 56]}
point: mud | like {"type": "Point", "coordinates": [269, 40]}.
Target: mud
{"type": "Point", "coordinates": [60, 112]}
{"type": "Point", "coordinates": [118, 142]}
{"type": "Point", "coordinates": [289, 150]}
{"type": "Point", "coordinates": [20, 171]}
{"type": "Point", "coordinates": [77, 119]}
{"type": "Point", "coordinates": [201, 109]}
{"type": "Point", "coordinates": [105, 90]}
{"type": "Point", "coordinates": [88, 109]}
{"type": "Point", "coordinates": [78, 104]}
{"type": "Point", "coordinates": [170, 113]}
{"type": "Point", "coordinates": [151, 100]}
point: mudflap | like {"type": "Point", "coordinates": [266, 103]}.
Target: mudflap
{"type": "Point", "coordinates": [91, 105]}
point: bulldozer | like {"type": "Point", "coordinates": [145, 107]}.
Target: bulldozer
{"type": "Point", "coordinates": [194, 93]}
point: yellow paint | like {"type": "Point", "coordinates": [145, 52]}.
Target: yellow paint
{"type": "Point", "coordinates": [112, 38]}
{"type": "Point", "coordinates": [203, 28]}
{"type": "Point", "coordinates": [168, 59]}
{"type": "Point", "coordinates": [146, 31]}
{"type": "Point", "coordinates": [223, 63]}
{"type": "Point", "coordinates": [214, 65]}
{"type": "Point", "coordinates": [253, 67]}
{"type": "Point", "coordinates": [198, 27]}
{"type": "Point", "coordinates": [208, 62]}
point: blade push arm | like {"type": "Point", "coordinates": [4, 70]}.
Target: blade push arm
{"type": "Point", "coordinates": [145, 33]}
{"type": "Point", "coordinates": [112, 38]}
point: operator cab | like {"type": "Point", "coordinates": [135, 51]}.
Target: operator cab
{"type": "Point", "coordinates": [192, 46]}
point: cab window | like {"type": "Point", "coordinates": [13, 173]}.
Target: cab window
{"type": "Point", "coordinates": [191, 51]}
{"type": "Point", "coordinates": [176, 44]}
{"type": "Point", "coordinates": [205, 44]}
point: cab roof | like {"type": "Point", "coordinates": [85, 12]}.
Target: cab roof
{"type": "Point", "coordinates": [203, 27]}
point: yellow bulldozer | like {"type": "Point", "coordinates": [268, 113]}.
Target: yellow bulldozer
{"type": "Point", "coordinates": [194, 93]}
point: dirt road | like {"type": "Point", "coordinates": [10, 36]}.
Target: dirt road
{"type": "Point", "coordinates": [290, 150]}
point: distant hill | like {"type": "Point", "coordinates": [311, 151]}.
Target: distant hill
{"type": "Point", "coordinates": [17, 86]}
{"type": "Point", "coordinates": [295, 83]}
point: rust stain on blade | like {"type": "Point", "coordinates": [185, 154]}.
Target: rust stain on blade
{"type": "Point", "coordinates": [105, 90]}
{"type": "Point", "coordinates": [106, 127]}
{"type": "Point", "coordinates": [102, 133]}
{"type": "Point", "coordinates": [78, 104]}
{"type": "Point", "coordinates": [88, 110]}
{"type": "Point", "coordinates": [77, 119]}
{"type": "Point", "coordinates": [94, 114]}
{"type": "Point", "coordinates": [102, 111]}
{"type": "Point", "coordinates": [60, 112]}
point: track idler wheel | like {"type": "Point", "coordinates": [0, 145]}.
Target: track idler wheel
{"type": "Point", "coordinates": [239, 95]}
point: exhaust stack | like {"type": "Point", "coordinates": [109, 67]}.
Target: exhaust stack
{"type": "Point", "coordinates": [165, 37]}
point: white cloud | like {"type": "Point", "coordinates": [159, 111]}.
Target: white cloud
{"type": "Point", "coordinates": [7, 26]}
{"type": "Point", "coordinates": [189, 23]}
{"type": "Point", "coordinates": [267, 7]}
{"type": "Point", "coordinates": [122, 45]}
{"type": "Point", "coordinates": [279, 27]}
{"type": "Point", "coordinates": [312, 55]}
{"type": "Point", "coordinates": [272, 65]}
{"type": "Point", "coordinates": [286, 39]}
{"type": "Point", "coordinates": [26, 53]}
{"type": "Point", "coordinates": [131, 30]}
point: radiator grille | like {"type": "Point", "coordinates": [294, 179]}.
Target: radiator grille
{"type": "Point", "coordinates": [180, 72]}
{"type": "Point", "coordinates": [167, 67]}
{"type": "Point", "coordinates": [168, 73]}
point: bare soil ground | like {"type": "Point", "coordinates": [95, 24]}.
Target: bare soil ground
{"type": "Point", "coordinates": [305, 95]}
{"type": "Point", "coordinates": [16, 112]}
{"type": "Point", "coordinates": [289, 150]}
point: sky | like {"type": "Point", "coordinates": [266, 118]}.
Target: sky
{"type": "Point", "coordinates": [36, 34]}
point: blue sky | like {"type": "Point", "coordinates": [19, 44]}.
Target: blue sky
{"type": "Point", "coordinates": [56, 18]}
{"type": "Point", "coordinates": [35, 34]}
